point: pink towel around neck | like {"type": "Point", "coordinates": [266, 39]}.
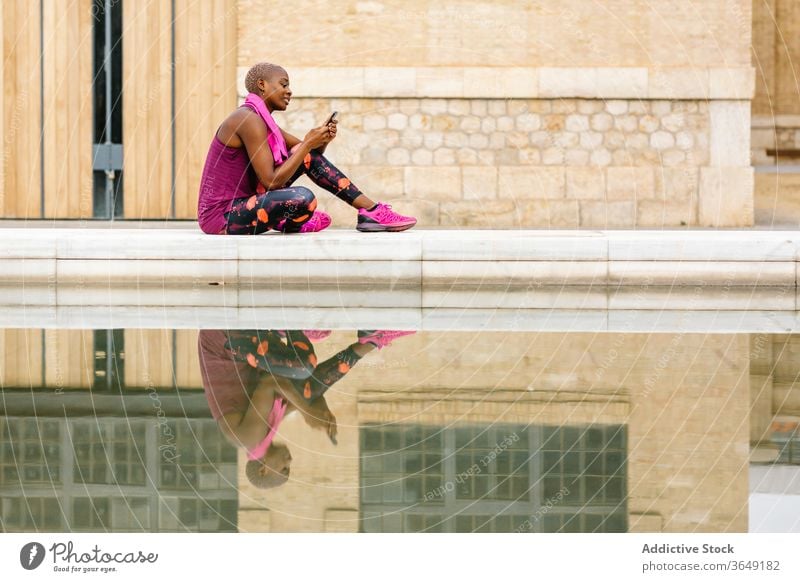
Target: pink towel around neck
{"type": "Point", "coordinates": [273, 420]}
{"type": "Point", "coordinates": [274, 138]}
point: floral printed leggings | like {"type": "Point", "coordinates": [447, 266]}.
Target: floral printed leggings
{"type": "Point", "coordinates": [290, 354]}
{"type": "Point", "coordinates": [287, 209]}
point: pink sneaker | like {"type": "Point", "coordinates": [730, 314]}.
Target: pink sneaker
{"type": "Point", "coordinates": [381, 338]}
{"type": "Point", "coordinates": [317, 335]}
{"type": "Point", "coordinates": [319, 221]}
{"type": "Point", "coordinates": [383, 218]}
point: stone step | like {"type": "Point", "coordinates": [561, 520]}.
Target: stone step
{"type": "Point", "coordinates": [435, 260]}
{"type": "Point", "coordinates": [671, 318]}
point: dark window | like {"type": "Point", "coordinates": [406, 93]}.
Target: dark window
{"type": "Point", "coordinates": [788, 443]}
{"type": "Point", "coordinates": [107, 99]}
{"type": "Point", "coordinates": [107, 474]}
{"type": "Point", "coordinates": [498, 478]}
{"type": "Point", "coordinates": [109, 359]}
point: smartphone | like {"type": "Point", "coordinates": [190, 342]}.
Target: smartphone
{"type": "Point", "coordinates": [332, 117]}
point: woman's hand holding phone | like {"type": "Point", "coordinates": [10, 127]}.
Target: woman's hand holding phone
{"type": "Point", "coordinates": [331, 124]}
{"type": "Point", "coordinates": [320, 136]}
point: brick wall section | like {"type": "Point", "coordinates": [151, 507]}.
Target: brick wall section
{"type": "Point", "coordinates": [464, 33]}
{"type": "Point", "coordinates": [537, 114]}
{"type": "Point", "coordinates": [531, 162]}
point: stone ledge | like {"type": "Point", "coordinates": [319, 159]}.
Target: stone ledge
{"type": "Point", "coordinates": [730, 83]}
{"type": "Point", "coordinates": [73, 266]}
{"type": "Point", "coordinates": [678, 314]}
{"type": "Point", "coordinates": [189, 244]}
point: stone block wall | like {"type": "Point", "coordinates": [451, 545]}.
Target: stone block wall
{"type": "Point", "coordinates": [568, 162]}
{"type": "Point", "coordinates": [503, 33]}
{"type": "Point", "coordinates": [777, 199]}
{"type": "Point", "coordinates": [517, 115]}
{"type": "Point", "coordinates": [776, 112]}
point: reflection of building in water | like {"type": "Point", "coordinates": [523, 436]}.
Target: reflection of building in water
{"type": "Point", "coordinates": [679, 402]}
{"type": "Point", "coordinates": [774, 372]}
{"type": "Point", "coordinates": [89, 460]}
{"type": "Point", "coordinates": [501, 477]}
{"type": "Point", "coordinates": [775, 433]}
{"type": "Point", "coordinates": [681, 399]}
{"type": "Point", "coordinates": [88, 474]}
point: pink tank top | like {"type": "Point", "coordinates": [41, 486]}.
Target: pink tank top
{"type": "Point", "coordinates": [227, 176]}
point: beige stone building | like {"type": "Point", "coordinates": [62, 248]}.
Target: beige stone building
{"type": "Point", "coordinates": [776, 112]}
{"type": "Point", "coordinates": [507, 114]}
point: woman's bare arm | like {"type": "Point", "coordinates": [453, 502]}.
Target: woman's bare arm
{"type": "Point", "coordinates": [253, 134]}
{"type": "Point", "coordinates": [292, 141]}
{"type": "Point", "coordinates": [250, 427]}
{"type": "Point", "coordinates": [316, 414]}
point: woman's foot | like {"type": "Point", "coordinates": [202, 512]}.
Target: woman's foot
{"type": "Point", "coordinates": [381, 218]}
{"type": "Point", "coordinates": [381, 338]}
{"type": "Point", "coordinates": [319, 221]}
{"type": "Point", "coordinates": [317, 335]}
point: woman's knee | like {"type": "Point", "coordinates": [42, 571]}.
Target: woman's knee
{"type": "Point", "coordinates": [313, 160]}
{"type": "Point", "coordinates": [306, 197]}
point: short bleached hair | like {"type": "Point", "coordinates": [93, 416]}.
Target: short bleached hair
{"type": "Point", "coordinates": [260, 71]}
{"type": "Point", "coordinates": [266, 481]}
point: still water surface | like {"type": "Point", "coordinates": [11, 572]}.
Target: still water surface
{"type": "Point", "coordinates": [376, 431]}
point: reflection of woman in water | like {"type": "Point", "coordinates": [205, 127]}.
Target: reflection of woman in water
{"type": "Point", "coordinates": [253, 379]}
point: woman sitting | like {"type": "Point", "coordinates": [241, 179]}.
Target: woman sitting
{"type": "Point", "coordinates": [246, 187]}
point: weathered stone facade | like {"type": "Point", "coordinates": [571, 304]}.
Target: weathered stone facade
{"type": "Point", "coordinates": [553, 122]}
{"type": "Point", "coordinates": [776, 112]}
{"type": "Point", "coordinates": [520, 162]}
